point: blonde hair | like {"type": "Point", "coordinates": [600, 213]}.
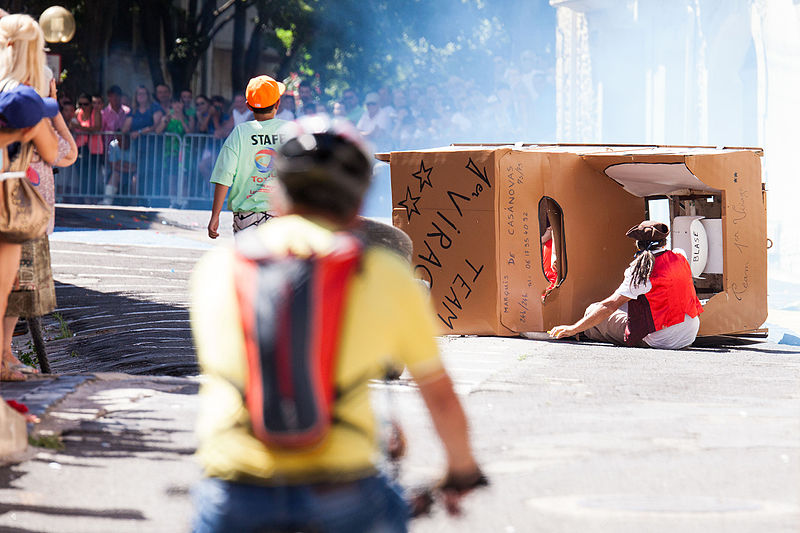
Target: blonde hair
{"type": "Point", "coordinates": [22, 52]}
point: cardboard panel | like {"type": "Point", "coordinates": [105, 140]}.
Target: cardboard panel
{"type": "Point", "coordinates": [472, 214]}
{"type": "Point", "coordinates": [601, 161]}
{"type": "Point", "coordinates": [445, 179]}
{"type": "Point", "coordinates": [743, 305]}
{"type": "Point", "coordinates": [651, 179]}
{"type": "Point", "coordinates": [521, 179]}
{"type": "Point", "coordinates": [597, 213]}
{"type": "Point", "coordinates": [445, 202]}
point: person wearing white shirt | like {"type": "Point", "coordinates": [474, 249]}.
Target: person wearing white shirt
{"type": "Point", "coordinates": [376, 124]}
{"type": "Point", "coordinates": [240, 112]}
{"type": "Point", "coordinates": [655, 306]}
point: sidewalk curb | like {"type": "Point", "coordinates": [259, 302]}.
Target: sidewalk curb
{"type": "Point", "coordinates": [40, 394]}
{"type": "Point", "coordinates": [64, 402]}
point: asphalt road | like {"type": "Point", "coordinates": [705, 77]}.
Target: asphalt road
{"type": "Point", "coordinates": [574, 436]}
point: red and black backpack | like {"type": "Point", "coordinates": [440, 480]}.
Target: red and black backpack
{"type": "Point", "coordinates": [292, 312]}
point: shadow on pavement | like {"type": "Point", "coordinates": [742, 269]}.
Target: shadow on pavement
{"type": "Point", "coordinates": [121, 514]}
{"type": "Point", "coordinates": [118, 332]}
{"type": "Point", "coordinates": [87, 217]}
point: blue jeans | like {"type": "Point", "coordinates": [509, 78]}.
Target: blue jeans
{"type": "Point", "coordinates": [369, 505]}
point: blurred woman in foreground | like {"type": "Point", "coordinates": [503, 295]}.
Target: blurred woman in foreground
{"type": "Point", "coordinates": [22, 61]}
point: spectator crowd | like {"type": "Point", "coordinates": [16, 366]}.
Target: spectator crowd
{"type": "Point", "coordinates": [517, 104]}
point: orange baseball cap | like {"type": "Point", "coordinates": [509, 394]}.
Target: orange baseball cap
{"type": "Point", "coordinates": [263, 91]}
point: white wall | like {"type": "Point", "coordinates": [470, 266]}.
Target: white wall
{"type": "Point", "coordinates": [717, 72]}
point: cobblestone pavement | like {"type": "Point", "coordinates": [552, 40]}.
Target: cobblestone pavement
{"type": "Point", "coordinates": [122, 295]}
{"type": "Point", "coordinates": [574, 436]}
{"type": "Point", "coordinates": [126, 308]}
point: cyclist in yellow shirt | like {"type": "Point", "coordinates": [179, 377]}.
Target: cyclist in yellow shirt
{"type": "Point", "coordinates": [335, 485]}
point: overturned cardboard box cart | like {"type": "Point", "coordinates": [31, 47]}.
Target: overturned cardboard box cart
{"type": "Point", "coordinates": [480, 217]}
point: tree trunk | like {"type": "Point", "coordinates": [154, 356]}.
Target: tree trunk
{"type": "Point", "coordinates": [252, 57]}
{"type": "Point", "coordinates": [239, 76]}
{"type": "Point", "coordinates": [151, 38]}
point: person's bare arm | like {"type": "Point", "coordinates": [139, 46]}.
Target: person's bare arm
{"type": "Point", "coordinates": [450, 422]}
{"type": "Point", "coordinates": [220, 191]}
{"type": "Point", "coordinates": [598, 314]}
{"type": "Point", "coordinates": [161, 125]}
{"type": "Point", "coordinates": [12, 136]}
{"type": "Point", "coordinates": [463, 472]}
{"type": "Point", "coordinates": [96, 124]}
{"type": "Point", "coordinates": [157, 116]}
{"type": "Point", "coordinates": [220, 128]}
{"type": "Point", "coordinates": [202, 123]}
{"type": "Point", "coordinates": [228, 124]}
{"type": "Point", "coordinates": [45, 141]}
{"type": "Point", "coordinates": [547, 235]}
{"type": "Point", "coordinates": [61, 129]}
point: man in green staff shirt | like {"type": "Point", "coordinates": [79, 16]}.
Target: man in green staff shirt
{"type": "Point", "coordinates": [246, 163]}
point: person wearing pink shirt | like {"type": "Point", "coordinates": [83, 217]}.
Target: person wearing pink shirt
{"type": "Point", "coordinates": [115, 113]}
{"type": "Point", "coordinates": [87, 124]}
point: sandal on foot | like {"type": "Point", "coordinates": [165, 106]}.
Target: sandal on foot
{"type": "Point", "coordinates": [7, 374]}
{"type": "Point", "coordinates": [22, 367]}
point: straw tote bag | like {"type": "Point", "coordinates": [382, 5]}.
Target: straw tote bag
{"type": "Point", "coordinates": [23, 212]}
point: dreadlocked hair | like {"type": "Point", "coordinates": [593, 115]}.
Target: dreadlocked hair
{"type": "Point", "coordinates": [643, 264]}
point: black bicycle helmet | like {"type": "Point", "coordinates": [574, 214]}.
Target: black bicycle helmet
{"type": "Point", "coordinates": [324, 164]}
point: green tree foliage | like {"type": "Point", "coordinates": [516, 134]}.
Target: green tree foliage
{"type": "Point", "coordinates": [359, 44]}
{"type": "Point", "coordinates": [336, 43]}
{"type": "Point", "coordinates": [283, 31]}
{"type": "Point", "coordinates": [382, 42]}
{"type": "Point", "coordinates": [186, 34]}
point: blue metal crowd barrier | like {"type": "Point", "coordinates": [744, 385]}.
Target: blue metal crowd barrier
{"type": "Point", "coordinates": [156, 170]}
{"type": "Point", "coordinates": [163, 170]}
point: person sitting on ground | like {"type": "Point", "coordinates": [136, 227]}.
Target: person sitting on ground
{"type": "Point", "coordinates": [655, 306]}
{"type": "Point", "coordinates": [121, 169]}
{"type": "Point", "coordinates": [549, 258]}
{"type": "Point", "coordinates": [333, 486]}
{"type": "Point", "coordinates": [245, 164]}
